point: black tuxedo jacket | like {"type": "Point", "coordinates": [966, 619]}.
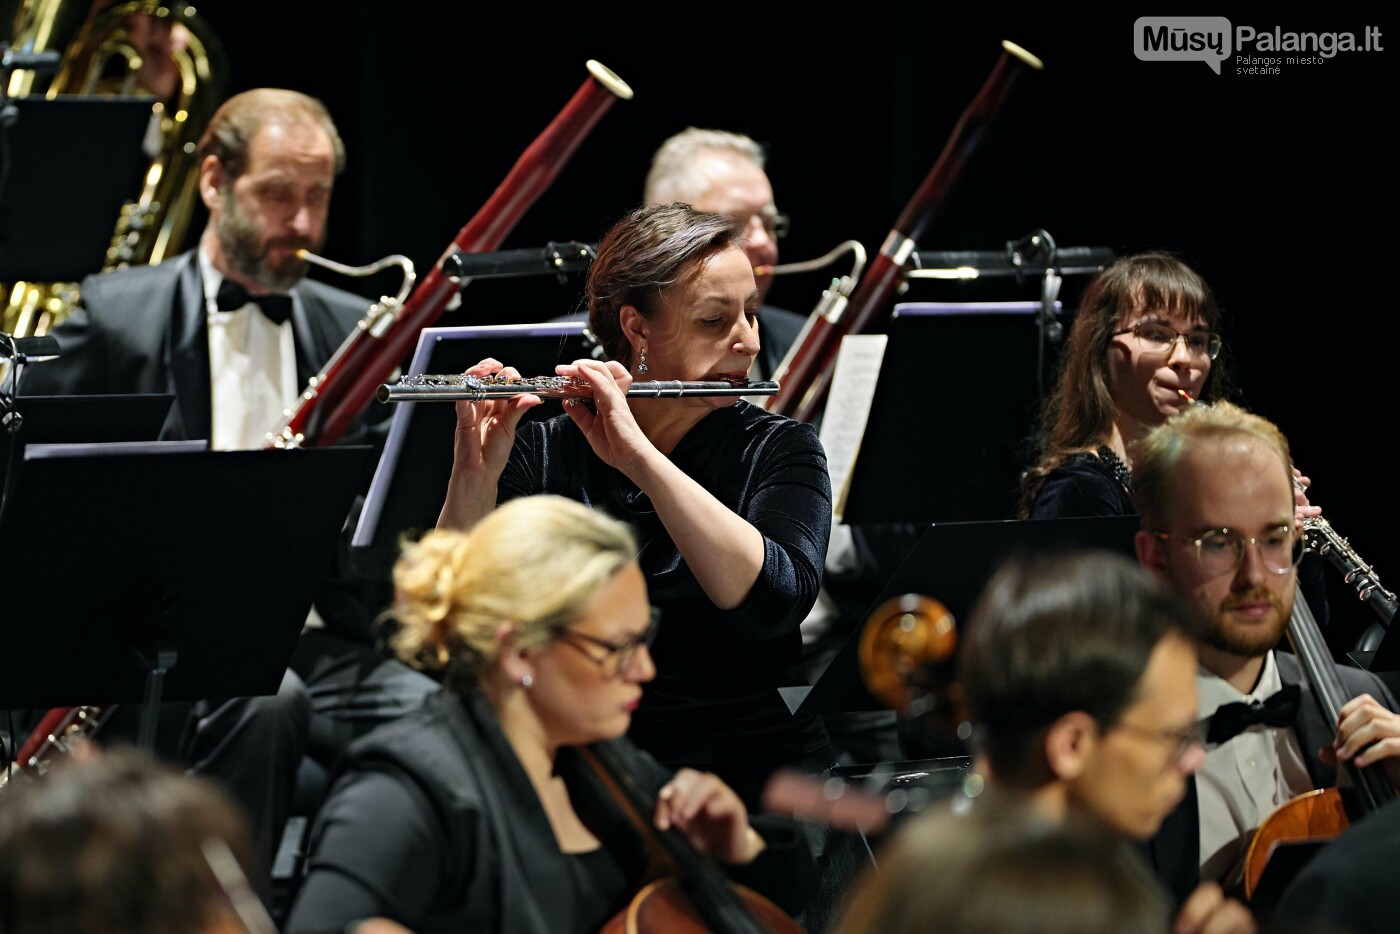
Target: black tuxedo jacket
{"type": "Point", "coordinates": [1175, 851]}
{"type": "Point", "coordinates": [144, 330]}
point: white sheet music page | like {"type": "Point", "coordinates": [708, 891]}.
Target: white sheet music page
{"type": "Point", "coordinates": [848, 408]}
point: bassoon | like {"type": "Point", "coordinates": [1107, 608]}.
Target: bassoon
{"type": "Point", "coordinates": [347, 384]}
{"type": "Point", "coordinates": [805, 375]}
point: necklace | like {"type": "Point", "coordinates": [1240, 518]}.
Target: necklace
{"type": "Point", "coordinates": [1121, 473]}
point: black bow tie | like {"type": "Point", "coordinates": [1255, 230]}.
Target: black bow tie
{"type": "Point", "coordinates": [232, 296]}
{"type": "Point", "coordinates": [1232, 719]}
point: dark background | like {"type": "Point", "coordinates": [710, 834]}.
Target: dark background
{"type": "Point", "coordinates": [1277, 187]}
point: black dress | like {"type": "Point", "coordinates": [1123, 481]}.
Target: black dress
{"type": "Point", "coordinates": [1084, 485]}
{"type": "Point", "coordinates": [714, 704]}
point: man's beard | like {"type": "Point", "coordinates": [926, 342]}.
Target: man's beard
{"type": "Point", "coordinates": [1247, 639]}
{"type": "Point", "coordinates": [239, 239]}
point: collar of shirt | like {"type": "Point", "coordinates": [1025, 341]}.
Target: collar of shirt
{"type": "Point", "coordinates": [1214, 690]}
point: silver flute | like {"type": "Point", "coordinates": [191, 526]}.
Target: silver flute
{"type": "Point", "coordinates": [452, 388]}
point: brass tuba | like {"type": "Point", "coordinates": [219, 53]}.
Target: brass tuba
{"type": "Point", "coordinates": [183, 67]}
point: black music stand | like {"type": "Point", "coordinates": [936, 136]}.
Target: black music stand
{"type": "Point", "coordinates": [63, 195]}
{"type": "Point", "coordinates": [951, 563]}
{"type": "Point", "coordinates": [149, 572]}
{"type": "Point", "coordinates": [410, 483]}
{"type": "Point", "coordinates": [68, 419]}
{"type": "Point", "coordinates": [951, 417]}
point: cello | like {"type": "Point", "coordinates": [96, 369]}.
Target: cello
{"type": "Point", "coordinates": [696, 897]}
{"type": "Point", "coordinates": [1325, 812]}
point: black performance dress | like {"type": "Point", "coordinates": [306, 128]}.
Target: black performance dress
{"type": "Point", "coordinates": [714, 704]}
{"type": "Point", "coordinates": [1084, 485]}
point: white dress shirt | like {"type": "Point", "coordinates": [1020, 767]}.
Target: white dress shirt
{"type": "Point", "coordinates": [252, 370]}
{"type": "Point", "coordinates": [1245, 779]}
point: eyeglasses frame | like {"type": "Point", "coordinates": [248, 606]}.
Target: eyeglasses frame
{"type": "Point", "coordinates": [1214, 343]}
{"type": "Point", "coordinates": [620, 656]}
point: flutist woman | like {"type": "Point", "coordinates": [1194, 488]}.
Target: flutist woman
{"type": "Point", "coordinates": [479, 812]}
{"type": "Point", "coordinates": [731, 504]}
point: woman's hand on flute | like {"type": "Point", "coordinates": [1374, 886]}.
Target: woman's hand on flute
{"type": "Point", "coordinates": [609, 426]}
{"type": "Point", "coordinates": [481, 446]}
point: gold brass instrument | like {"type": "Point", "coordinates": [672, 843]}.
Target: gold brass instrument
{"type": "Point", "coordinates": [451, 388]}
{"type": "Point", "coordinates": [833, 299]}
{"type": "Point", "coordinates": [103, 55]}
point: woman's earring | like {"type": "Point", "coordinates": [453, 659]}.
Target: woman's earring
{"type": "Point", "coordinates": [642, 362]}
{"type": "Point", "coordinates": [526, 681]}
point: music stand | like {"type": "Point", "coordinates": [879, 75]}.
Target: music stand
{"type": "Point", "coordinates": [409, 485]}
{"type": "Point", "coordinates": [67, 419]}
{"type": "Point", "coordinates": [952, 563]}
{"type": "Point", "coordinates": [209, 558]}
{"type": "Point", "coordinates": [951, 416]}
{"type": "Point", "coordinates": [63, 196]}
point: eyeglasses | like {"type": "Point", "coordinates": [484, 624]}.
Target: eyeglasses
{"type": "Point", "coordinates": [774, 223]}
{"type": "Point", "coordinates": [617, 656]}
{"type": "Point", "coordinates": [1183, 740]}
{"type": "Point", "coordinates": [1158, 338]}
{"type": "Point", "coordinates": [1220, 551]}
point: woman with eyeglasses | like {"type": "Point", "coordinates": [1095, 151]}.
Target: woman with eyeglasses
{"type": "Point", "coordinates": [1144, 344]}
{"type": "Point", "coordinates": [731, 504]}
{"type": "Point", "coordinates": [480, 812]}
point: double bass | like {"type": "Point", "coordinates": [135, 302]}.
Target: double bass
{"type": "Point", "coordinates": [1325, 812]}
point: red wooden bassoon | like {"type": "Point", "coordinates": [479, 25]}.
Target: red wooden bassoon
{"type": "Point", "coordinates": [347, 383]}
{"type": "Point", "coordinates": [805, 375]}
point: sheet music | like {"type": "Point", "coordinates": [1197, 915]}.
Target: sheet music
{"type": "Point", "coordinates": [848, 408]}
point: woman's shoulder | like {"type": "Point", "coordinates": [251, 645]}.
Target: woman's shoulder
{"type": "Point", "coordinates": [754, 419]}
{"type": "Point", "coordinates": [428, 743]}
{"type": "Point", "coordinates": [1081, 485]}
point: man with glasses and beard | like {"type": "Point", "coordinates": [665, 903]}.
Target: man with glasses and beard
{"type": "Point", "coordinates": [234, 330]}
{"type": "Point", "coordinates": [1214, 487]}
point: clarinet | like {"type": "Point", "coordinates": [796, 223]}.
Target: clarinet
{"type": "Point", "coordinates": [1324, 540]}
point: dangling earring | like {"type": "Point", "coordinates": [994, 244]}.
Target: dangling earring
{"type": "Point", "coordinates": [526, 681]}
{"type": "Point", "coordinates": [642, 363]}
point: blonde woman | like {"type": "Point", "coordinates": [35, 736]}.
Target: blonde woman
{"type": "Point", "coordinates": [479, 812]}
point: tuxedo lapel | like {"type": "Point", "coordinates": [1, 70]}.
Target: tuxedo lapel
{"type": "Point", "coordinates": [187, 350]}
